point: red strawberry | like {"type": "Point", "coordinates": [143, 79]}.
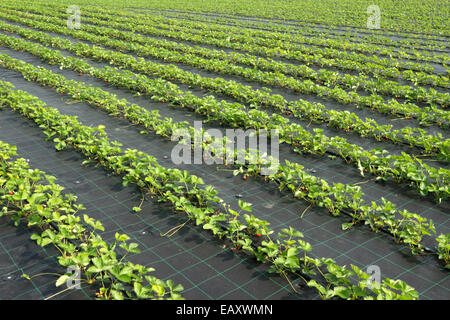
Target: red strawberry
{"type": "Point", "coordinates": [258, 235]}
{"type": "Point", "coordinates": [10, 193]}
{"type": "Point", "coordinates": [245, 178]}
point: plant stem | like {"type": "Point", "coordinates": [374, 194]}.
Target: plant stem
{"type": "Point", "coordinates": [54, 295]}
{"type": "Point", "coordinates": [304, 211]}
{"type": "Point", "coordinates": [292, 286]}
{"type": "Point", "coordinates": [176, 229]}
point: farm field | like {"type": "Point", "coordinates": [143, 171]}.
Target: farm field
{"type": "Point", "coordinates": [118, 179]}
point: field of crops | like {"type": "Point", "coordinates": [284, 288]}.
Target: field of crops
{"type": "Point", "coordinates": [99, 100]}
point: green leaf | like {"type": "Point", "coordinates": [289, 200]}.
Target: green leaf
{"type": "Point", "coordinates": [61, 280]}
{"type": "Point", "coordinates": [342, 292]}
{"type": "Point", "coordinates": [178, 288]}
{"type": "Point", "coordinates": [117, 295]}
{"type": "Point", "coordinates": [160, 291]}
{"type": "Point", "coordinates": [45, 241]}
{"type": "Point", "coordinates": [132, 247]}
{"type": "Point", "coordinates": [360, 168]}
{"type": "Point", "coordinates": [245, 206]}
{"type": "Point", "coordinates": [292, 252]}
{"type": "Point", "coordinates": [292, 262]}
{"type": "Point", "coordinates": [121, 237]}
{"type": "Point", "coordinates": [346, 226]}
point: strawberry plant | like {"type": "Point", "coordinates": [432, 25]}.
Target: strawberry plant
{"type": "Point", "coordinates": [38, 201]}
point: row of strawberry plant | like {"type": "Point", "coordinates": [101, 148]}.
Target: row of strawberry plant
{"type": "Point", "coordinates": [410, 229]}
{"type": "Point", "coordinates": [302, 109]}
{"type": "Point", "coordinates": [432, 114]}
{"type": "Point", "coordinates": [318, 59]}
{"type": "Point", "coordinates": [403, 167]}
{"type": "Point", "coordinates": [33, 197]}
{"type": "Point", "coordinates": [205, 29]}
{"type": "Point", "coordinates": [329, 78]}
{"type": "Point", "coordinates": [288, 255]}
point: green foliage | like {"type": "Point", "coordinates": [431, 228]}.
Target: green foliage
{"type": "Point", "coordinates": [31, 196]}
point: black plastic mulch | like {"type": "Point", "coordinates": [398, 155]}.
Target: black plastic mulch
{"type": "Point", "coordinates": [191, 257]}
{"type": "Point", "coordinates": [335, 171]}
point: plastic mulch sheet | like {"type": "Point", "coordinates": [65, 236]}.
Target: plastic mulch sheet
{"type": "Point", "coordinates": [205, 268]}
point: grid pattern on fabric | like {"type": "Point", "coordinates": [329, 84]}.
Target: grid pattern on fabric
{"type": "Point", "coordinates": [191, 257]}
